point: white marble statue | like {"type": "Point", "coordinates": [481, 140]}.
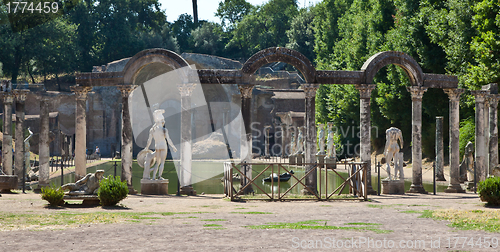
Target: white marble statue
{"type": "Point", "coordinates": [159, 133]}
{"type": "Point", "coordinates": [27, 151]}
{"type": "Point", "coordinates": [391, 152]}
{"type": "Point", "coordinates": [300, 141]}
{"type": "Point", "coordinates": [321, 140]}
{"type": "Point", "coordinates": [86, 186]}
{"type": "Point", "coordinates": [293, 145]}
{"type": "Point", "coordinates": [330, 142]}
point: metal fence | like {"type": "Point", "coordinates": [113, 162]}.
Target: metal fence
{"type": "Point", "coordinates": [356, 181]}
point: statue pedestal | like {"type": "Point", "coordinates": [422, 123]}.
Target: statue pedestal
{"type": "Point", "coordinates": [320, 158]}
{"type": "Point", "coordinates": [154, 187]}
{"type": "Point", "coordinates": [8, 182]}
{"type": "Point", "coordinates": [292, 160]}
{"type": "Point", "coordinates": [331, 163]}
{"type": "Point", "coordinates": [393, 186]}
{"type": "Point", "coordinates": [300, 159]}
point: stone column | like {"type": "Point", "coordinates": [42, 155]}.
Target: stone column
{"type": "Point", "coordinates": [246, 156]}
{"type": "Point", "coordinates": [454, 96]}
{"type": "Point", "coordinates": [439, 149]}
{"type": "Point", "coordinates": [19, 158]}
{"type": "Point", "coordinates": [80, 131]}
{"type": "Point", "coordinates": [310, 136]}
{"type": "Point", "coordinates": [8, 99]}
{"type": "Point", "coordinates": [480, 140]}
{"type": "Point", "coordinates": [126, 153]}
{"type": "Point", "coordinates": [365, 92]}
{"type": "Point", "coordinates": [416, 150]}
{"type": "Point", "coordinates": [493, 143]}
{"type": "Point", "coordinates": [186, 139]}
{"type": "Point", "coordinates": [43, 145]}
{"type": "Point", "coordinates": [266, 141]}
{"type": "Point", "coordinates": [284, 136]}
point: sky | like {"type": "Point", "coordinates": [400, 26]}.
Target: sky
{"type": "Point", "coordinates": [207, 8]}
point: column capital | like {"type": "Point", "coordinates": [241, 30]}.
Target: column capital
{"type": "Point", "coordinates": [493, 100]}
{"type": "Point", "coordinates": [310, 90]}
{"type": "Point", "coordinates": [81, 92]}
{"type": "Point", "coordinates": [416, 92]}
{"type": "Point", "coordinates": [480, 95]}
{"type": "Point", "coordinates": [126, 89]}
{"type": "Point", "coordinates": [20, 95]}
{"type": "Point", "coordinates": [453, 93]}
{"type": "Point", "coordinates": [186, 89]}
{"type": "Point", "coordinates": [6, 85]}
{"type": "Point", "coordinates": [8, 97]}
{"type": "Point", "coordinates": [246, 90]}
{"type": "Point", "coordinates": [365, 90]}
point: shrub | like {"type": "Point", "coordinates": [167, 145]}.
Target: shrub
{"type": "Point", "coordinates": [489, 191]}
{"type": "Point", "coordinates": [54, 195]}
{"type": "Point", "coordinates": [112, 190]}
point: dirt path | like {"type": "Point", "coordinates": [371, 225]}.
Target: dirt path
{"type": "Point", "coordinates": [187, 231]}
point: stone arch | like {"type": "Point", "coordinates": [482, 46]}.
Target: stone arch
{"type": "Point", "coordinates": [403, 60]}
{"type": "Point", "coordinates": [281, 54]}
{"type": "Point", "coordinates": [150, 56]}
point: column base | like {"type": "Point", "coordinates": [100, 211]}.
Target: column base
{"type": "Point", "coordinates": [39, 187]}
{"type": "Point", "coordinates": [292, 160]}
{"type": "Point", "coordinates": [440, 178]}
{"type": "Point", "coordinates": [331, 163]}
{"type": "Point", "coordinates": [299, 159]}
{"type": "Point", "coordinates": [7, 183]}
{"type": "Point", "coordinates": [131, 190]}
{"type": "Point", "coordinates": [370, 191]}
{"type": "Point", "coordinates": [307, 192]}
{"type": "Point", "coordinates": [187, 190]}
{"type": "Point", "coordinates": [154, 187]}
{"type": "Point", "coordinates": [320, 158]}
{"type": "Point", "coordinates": [454, 189]}
{"type": "Point", "coordinates": [417, 189]}
{"type": "Point", "coordinates": [393, 187]}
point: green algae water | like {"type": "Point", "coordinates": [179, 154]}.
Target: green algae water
{"type": "Point", "coordinates": [214, 185]}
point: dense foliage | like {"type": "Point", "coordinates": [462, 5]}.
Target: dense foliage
{"type": "Point", "coordinates": [53, 194]}
{"type": "Point", "coordinates": [112, 190]}
{"type": "Point", "coordinates": [489, 191]}
{"type": "Point", "coordinates": [459, 37]}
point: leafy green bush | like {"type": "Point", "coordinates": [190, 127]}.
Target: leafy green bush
{"type": "Point", "coordinates": [54, 195]}
{"type": "Point", "coordinates": [489, 191]}
{"type": "Point", "coordinates": [112, 190]}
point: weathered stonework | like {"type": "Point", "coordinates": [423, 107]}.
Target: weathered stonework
{"type": "Point", "coordinates": [44, 155]}
{"type": "Point", "coordinates": [126, 153]}
{"type": "Point", "coordinates": [186, 142]}
{"type": "Point", "coordinates": [454, 96]}
{"type": "Point", "coordinates": [480, 140]}
{"type": "Point", "coordinates": [493, 136]}
{"type": "Point", "coordinates": [416, 150]}
{"type": "Point", "coordinates": [310, 138]}
{"type": "Point", "coordinates": [8, 99]}
{"type": "Point", "coordinates": [246, 103]}
{"type": "Point", "coordinates": [20, 97]}
{"type": "Point", "coordinates": [80, 131]}
{"type": "Point", "coordinates": [439, 149]}
{"type": "Point", "coordinates": [365, 92]}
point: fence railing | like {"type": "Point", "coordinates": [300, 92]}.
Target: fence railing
{"type": "Point", "coordinates": [355, 180]}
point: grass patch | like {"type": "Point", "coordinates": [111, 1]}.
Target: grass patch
{"type": "Point", "coordinates": [187, 217]}
{"type": "Point", "coordinates": [241, 208]}
{"type": "Point", "coordinates": [212, 225]}
{"type": "Point", "coordinates": [363, 224]}
{"type": "Point", "coordinates": [216, 228]}
{"type": "Point", "coordinates": [214, 220]}
{"type": "Point", "coordinates": [487, 220]}
{"type": "Point", "coordinates": [174, 213]}
{"type": "Point", "coordinates": [316, 224]}
{"type": "Point", "coordinates": [252, 212]}
{"type": "Point", "coordinates": [384, 206]}
{"type": "Point", "coordinates": [412, 211]}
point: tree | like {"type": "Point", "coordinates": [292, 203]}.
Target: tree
{"type": "Point", "coordinates": [232, 11]}
{"type": "Point", "coordinates": [301, 33]}
{"type": "Point", "coordinates": [208, 39]}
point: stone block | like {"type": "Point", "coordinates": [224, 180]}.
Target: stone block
{"type": "Point", "coordinates": [393, 187]}
{"type": "Point", "coordinates": [300, 159]}
{"type": "Point", "coordinates": [320, 158]}
{"type": "Point", "coordinates": [331, 163]}
{"type": "Point", "coordinates": [8, 182]}
{"type": "Point", "coordinates": [292, 159]}
{"type": "Point", "coordinates": [154, 187]}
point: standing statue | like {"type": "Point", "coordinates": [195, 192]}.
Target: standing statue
{"type": "Point", "coordinates": [293, 147]}
{"type": "Point", "coordinates": [27, 150]}
{"type": "Point", "coordinates": [300, 142]}
{"type": "Point", "coordinates": [467, 164]}
{"type": "Point", "coordinates": [86, 186]}
{"type": "Point", "coordinates": [330, 148]}
{"type": "Point", "coordinates": [321, 139]}
{"type": "Point", "coordinates": [159, 133]}
{"type": "Point", "coordinates": [391, 152]}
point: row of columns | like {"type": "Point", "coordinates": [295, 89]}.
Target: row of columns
{"type": "Point", "coordinates": [416, 96]}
